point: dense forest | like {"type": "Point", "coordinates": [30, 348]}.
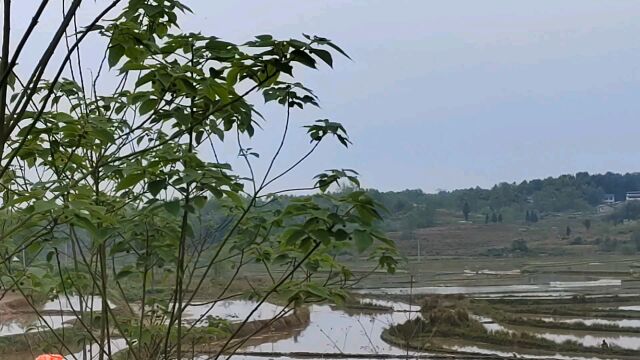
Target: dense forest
{"type": "Point", "coordinates": [510, 202]}
{"type": "Point", "coordinates": [410, 209]}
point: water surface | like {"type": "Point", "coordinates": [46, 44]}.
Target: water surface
{"type": "Point", "coordinates": [334, 331]}
{"type": "Point", "coordinates": [630, 323]}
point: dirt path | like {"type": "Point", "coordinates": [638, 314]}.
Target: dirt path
{"type": "Point", "coordinates": [13, 305]}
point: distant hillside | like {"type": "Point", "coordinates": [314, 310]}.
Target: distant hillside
{"type": "Point", "coordinates": [412, 209]}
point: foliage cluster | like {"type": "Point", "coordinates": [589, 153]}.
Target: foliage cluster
{"type": "Point", "coordinates": [411, 209]}
{"type": "Point", "coordinates": [107, 176]}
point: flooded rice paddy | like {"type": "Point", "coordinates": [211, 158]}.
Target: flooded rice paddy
{"type": "Point", "coordinates": [552, 288]}
{"type": "Point", "coordinates": [232, 310]}
{"type": "Point", "coordinates": [510, 355]}
{"type": "Point", "coordinates": [34, 323]}
{"type": "Point", "coordinates": [630, 323]}
{"type": "Point", "coordinates": [335, 330]}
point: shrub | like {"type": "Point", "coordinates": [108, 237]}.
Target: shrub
{"type": "Point", "coordinates": [608, 245]}
{"type": "Point", "coordinates": [519, 245]}
{"type": "Point", "coordinates": [409, 329]}
{"type": "Point", "coordinates": [628, 249]}
{"type": "Point", "coordinates": [578, 240]}
{"type": "Point", "coordinates": [497, 252]}
{"type": "Point", "coordinates": [635, 239]}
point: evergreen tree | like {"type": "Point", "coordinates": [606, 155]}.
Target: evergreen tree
{"type": "Point", "coordinates": [494, 218]}
{"type": "Point", "coordinates": [486, 218]}
{"type": "Point", "coordinates": [568, 231]}
{"type": "Point", "coordinates": [534, 217]}
{"type": "Point", "coordinates": [587, 224]}
{"type": "Point", "coordinates": [466, 209]}
{"type": "Point", "coordinates": [527, 217]}
{"type": "Point", "coordinates": [499, 217]}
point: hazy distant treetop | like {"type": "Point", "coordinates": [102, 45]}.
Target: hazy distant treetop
{"type": "Point", "coordinates": [415, 208]}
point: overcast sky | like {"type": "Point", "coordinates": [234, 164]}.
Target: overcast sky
{"type": "Point", "coordinates": [450, 94]}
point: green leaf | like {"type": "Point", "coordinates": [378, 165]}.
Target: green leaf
{"type": "Point", "coordinates": [161, 29]}
{"type": "Point", "coordinates": [291, 236]}
{"type": "Point", "coordinates": [234, 197]}
{"type": "Point", "coordinates": [11, 80]}
{"type": "Point", "coordinates": [124, 272]}
{"type": "Point", "coordinates": [200, 201]}
{"type": "Point", "coordinates": [148, 106]}
{"type": "Point", "coordinates": [341, 235]}
{"type": "Point", "coordinates": [173, 207]}
{"type": "Point", "coordinates": [322, 235]}
{"type": "Point", "coordinates": [104, 135]}
{"type": "Point", "coordinates": [324, 55]}
{"type": "Point", "coordinates": [130, 181]}
{"type": "Point", "coordinates": [280, 259]}
{"type": "Point", "coordinates": [85, 223]}
{"type": "Point", "coordinates": [133, 66]}
{"type": "Point", "coordinates": [303, 58]}
{"type": "Point", "coordinates": [154, 187]}
{"type": "Point", "coordinates": [116, 52]}
{"type": "Point", "coordinates": [44, 205]}
{"type": "Point", "coordinates": [104, 233]}
{"type": "Point", "coordinates": [318, 291]}
{"type": "Point", "coordinates": [232, 76]}
{"type": "Point", "coordinates": [338, 49]}
{"type": "Point", "coordinates": [362, 239]}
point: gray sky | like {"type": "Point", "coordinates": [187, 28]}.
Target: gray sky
{"type": "Point", "coordinates": [450, 94]}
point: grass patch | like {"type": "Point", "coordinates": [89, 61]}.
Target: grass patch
{"type": "Point", "coordinates": [418, 334]}
{"type": "Point", "coordinates": [518, 320]}
{"type": "Point", "coordinates": [45, 341]}
{"type": "Point", "coordinates": [574, 300]}
{"type": "Point", "coordinates": [448, 317]}
{"type": "Point", "coordinates": [362, 307]}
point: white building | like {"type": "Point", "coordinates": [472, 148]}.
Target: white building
{"type": "Point", "coordinates": [608, 199]}
{"type": "Point", "coordinates": [633, 196]}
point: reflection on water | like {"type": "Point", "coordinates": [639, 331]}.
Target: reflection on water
{"type": "Point", "coordinates": [489, 323]}
{"type": "Point", "coordinates": [587, 339]}
{"type": "Point", "coordinates": [529, 295]}
{"type": "Point", "coordinates": [33, 323]}
{"type": "Point", "coordinates": [479, 350]}
{"type": "Point", "coordinates": [452, 290]}
{"type": "Point", "coordinates": [492, 272]}
{"type": "Point", "coordinates": [233, 310]}
{"type": "Point", "coordinates": [329, 330]}
{"type": "Point", "coordinates": [13, 324]}
{"type": "Point", "coordinates": [395, 305]}
{"type": "Point", "coordinates": [632, 323]}
{"type": "Point", "coordinates": [631, 307]}
{"type": "Point", "coordinates": [75, 303]}
{"type": "Point", "coordinates": [496, 289]}
{"type": "Point", "coordinates": [335, 331]}
{"type": "Point", "coordinates": [582, 284]}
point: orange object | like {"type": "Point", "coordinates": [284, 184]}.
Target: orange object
{"type": "Point", "coordinates": [50, 357]}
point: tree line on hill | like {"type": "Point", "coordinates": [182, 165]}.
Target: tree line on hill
{"type": "Point", "coordinates": [411, 209]}
{"type": "Point", "coordinates": [509, 202]}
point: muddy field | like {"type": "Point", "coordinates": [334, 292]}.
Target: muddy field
{"type": "Point", "coordinates": [356, 331]}
{"type": "Point", "coordinates": [568, 304]}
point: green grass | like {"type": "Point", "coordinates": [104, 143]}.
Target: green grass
{"type": "Point", "coordinates": [532, 322]}
{"type": "Point", "coordinates": [44, 341]}
{"type": "Point", "coordinates": [418, 335]}
{"type": "Point", "coordinates": [442, 319]}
